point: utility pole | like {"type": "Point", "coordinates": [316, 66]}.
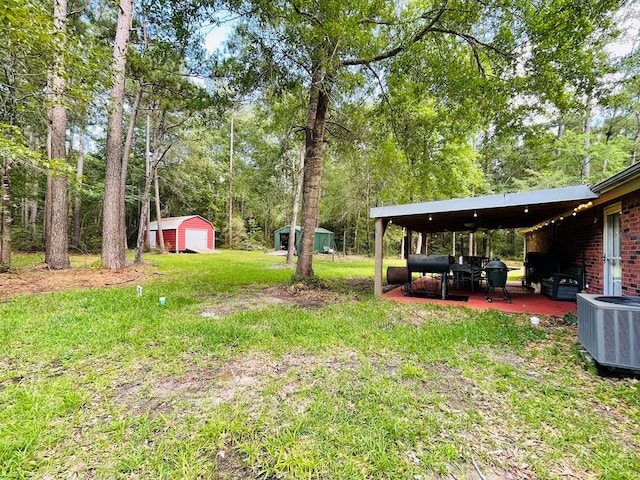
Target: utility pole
{"type": "Point", "coordinates": [147, 171]}
{"type": "Point", "coordinates": [231, 187]}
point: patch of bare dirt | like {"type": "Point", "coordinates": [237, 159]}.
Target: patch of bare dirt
{"type": "Point", "coordinates": [303, 296]}
{"type": "Point", "coordinates": [39, 278]}
{"type": "Point", "coordinates": [299, 295]}
{"type": "Point", "coordinates": [222, 306]}
{"type": "Point", "coordinates": [231, 467]}
{"type": "Point", "coordinates": [242, 379]}
{"type": "Point", "coordinates": [217, 382]}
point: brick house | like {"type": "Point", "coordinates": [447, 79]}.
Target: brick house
{"type": "Point", "coordinates": [603, 238]}
{"type": "Point", "coordinates": [595, 228]}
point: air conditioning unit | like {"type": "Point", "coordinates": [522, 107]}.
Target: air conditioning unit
{"type": "Point", "coordinates": [609, 328]}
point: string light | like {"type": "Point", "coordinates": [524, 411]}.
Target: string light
{"type": "Point", "coordinates": [430, 217]}
{"type": "Point", "coordinates": [526, 209]}
{"type": "Point", "coordinates": [475, 214]}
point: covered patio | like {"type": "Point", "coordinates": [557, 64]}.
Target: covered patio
{"type": "Point", "coordinates": [523, 210]}
{"type": "Point", "coordinates": [522, 300]}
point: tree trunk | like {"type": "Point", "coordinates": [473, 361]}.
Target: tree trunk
{"type": "Point", "coordinates": [5, 216]}
{"type": "Point", "coordinates": [151, 174]}
{"type": "Point", "coordinates": [231, 186]}
{"type": "Point", "coordinates": [559, 134]}
{"type": "Point", "coordinates": [47, 208]}
{"type": "Point", "coordinates": [314, 150]}
{"type": "Point", "coordinates": [147, 171]}
{"type": "Point", "coordinates": [636, 138]}
{"type": "Point", "coordinates": [368, 206]}
{"type": "Point", "coordinates": [144, 214]}
{"type": "Point", "coordinates": [125, 160]}
{"type": "Point", "coordinates": [344, 242]}
{"type": "Point", "coordinates": [586, 163]}
{"type": "Point", "coordinates": [296, 205]}
{"type": "Point", "coordinates": [356, 235]}
{"type": "Point", "coordinates": [32, 212]}
{"type": "Point", "coordinates": [23, 212]}
{"type": "Point", "coordinates": [159, 212]}
{"type": "Point", "coordinates": [77, 204]}
{"type": "Point", "coordinates": [113, 252]}
{"type": "Point", "coordinates": [56, 242]}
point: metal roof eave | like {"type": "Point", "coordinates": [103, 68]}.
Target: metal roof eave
{"type": "Point", "coordinates": [505, 200]}
{"type": "Point", "coordinates": [629, 173]}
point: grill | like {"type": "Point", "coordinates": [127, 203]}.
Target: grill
{"type": "Point", "coordinates": [429, 263]}
{"type": "Point", "coordinates": [440, 264]}
{"type": "Point", "coordinates": [496, 278]}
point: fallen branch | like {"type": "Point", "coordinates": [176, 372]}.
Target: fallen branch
{"type": "Point", "coordinates": [475, 465]}
{"type": "Point", "coordinates": [569, 475]}
{"type": "Point", "coordinates": [121, 282]}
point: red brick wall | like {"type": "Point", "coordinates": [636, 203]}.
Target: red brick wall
{"type": "Point", "coordinates": [582, 245]}
{"type": "Point", "coordinates": [579, 241]}
{"type": "Point", "coordinates": [630, 226]}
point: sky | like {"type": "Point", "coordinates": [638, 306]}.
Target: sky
{"type": "Point", "coordinates": [628, 21]}
{"type": "Point", "coordinates": [216, 35]}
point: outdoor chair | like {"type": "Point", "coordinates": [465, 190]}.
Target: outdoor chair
{"type": "Point", "coordinates": [564, 285]}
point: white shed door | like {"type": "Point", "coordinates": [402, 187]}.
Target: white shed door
{"type": "Point", "coordinates": [152, 239]}
{"type": "Point", "coordinates": [195, 238]}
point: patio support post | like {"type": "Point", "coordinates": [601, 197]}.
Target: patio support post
{"type": "Point", "coordinates": [381, 225]}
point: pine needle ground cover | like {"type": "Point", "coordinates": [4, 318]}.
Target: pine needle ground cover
{"type": "Point", "coordinates": [244, 375]}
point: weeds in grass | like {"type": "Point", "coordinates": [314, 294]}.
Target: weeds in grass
{"type": "Point", "coordinates": [571, 318]}
{"type": "Point", "coordinates": [337, 384]}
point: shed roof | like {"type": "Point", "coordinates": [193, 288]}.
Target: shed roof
{"type": "Point", "coordinates": [172, 223]}
{"type": "Point", "coordinates": [505, 210]}
{"type": "Point", "coordinates": [287, 228]}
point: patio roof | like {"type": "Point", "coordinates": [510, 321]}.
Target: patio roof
{"type": "Point", "coordinates": [508, 210]}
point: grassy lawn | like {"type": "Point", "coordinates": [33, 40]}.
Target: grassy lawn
{"type": "Point", "coordinates": [242, 375]}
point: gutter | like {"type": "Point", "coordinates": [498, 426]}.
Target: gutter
{"type": "Point", "coordinates": [626, 175]}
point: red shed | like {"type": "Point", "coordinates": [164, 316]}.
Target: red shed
{"type": "Point", "coordinates": [190, 233]}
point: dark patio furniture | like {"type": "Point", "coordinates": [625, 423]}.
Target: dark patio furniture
{"type": "Point", "coordinates": [563, 285]}
{"type": "Point", "coordinates": [537, 265]}
{"type": "Point", "coordinates": [470, 273]}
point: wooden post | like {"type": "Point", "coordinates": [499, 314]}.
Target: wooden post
{"type": "Point", "coordinates": [381, 225]}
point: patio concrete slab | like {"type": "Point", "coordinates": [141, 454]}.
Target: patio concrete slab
{"type": "Point", "coordinates": [522, 300]}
